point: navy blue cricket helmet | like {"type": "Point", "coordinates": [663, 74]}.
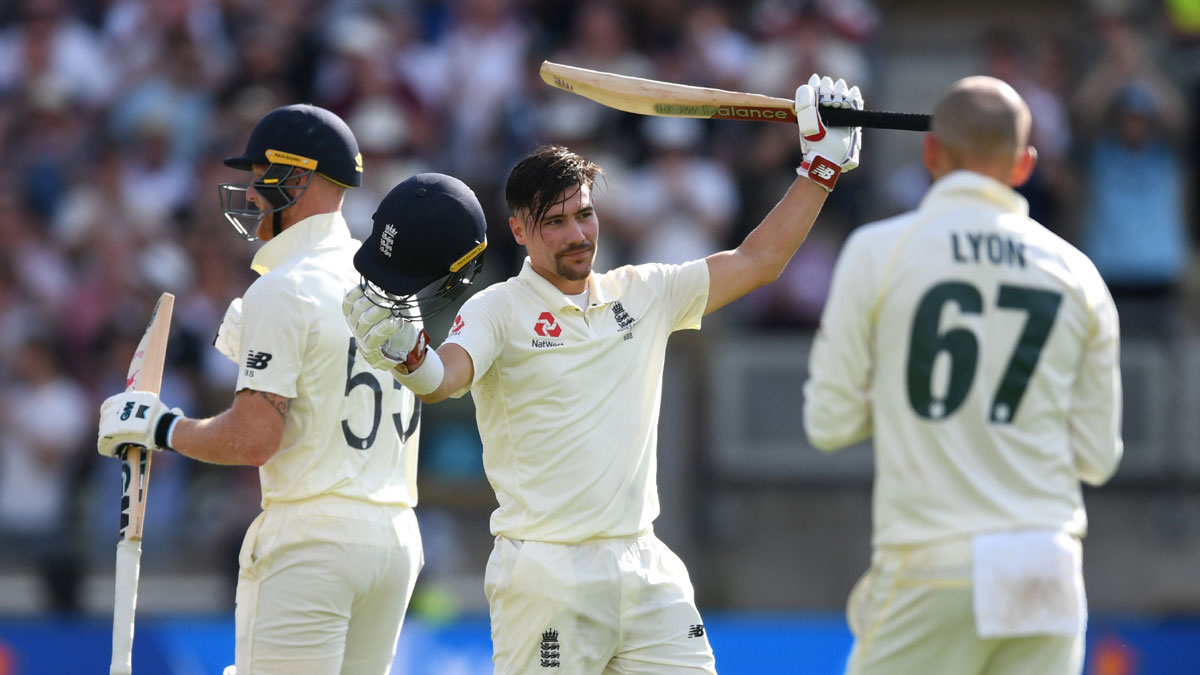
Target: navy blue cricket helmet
{"type": "Point", "coordinates": [293, 141]}
{"type": "Point", "coordinates": [426, 245]}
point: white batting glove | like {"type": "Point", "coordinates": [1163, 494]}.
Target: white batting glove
{"type": "Point", "coordinates": [385, 339]}
{"type": "Point", "coordinates": [828, 151]}
{"type": "Point", "coordinates": [134, 418]}
{"type": "Point", "coordinates": [229, 334]}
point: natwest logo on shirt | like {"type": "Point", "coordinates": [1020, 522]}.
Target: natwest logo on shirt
{"type": "Point", "coordinates": [547, 326]}
{"type": "Point", "coordinates": [458, 325]}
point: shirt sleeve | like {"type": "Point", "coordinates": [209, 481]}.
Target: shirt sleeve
{"type": "Point", "coordinates": [479, 329]}
{"type": "Point", "coordinates": [684, 289]}
{"type": "Point", "coordinates": [837, 401]}
{"type": "Point", "coordinates": [1094, 417]}
{"type": "Point", "coordinates": [274, 337]}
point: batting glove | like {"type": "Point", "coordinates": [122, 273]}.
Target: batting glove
{"type": "Point", "coordinates": [229, 334]}
{"type": "Point", "coordinates": [134, 418]}
{"type": "Point", "coordinates": [828, 151]}
{"type": "Point", "coordinates": [385, 339]}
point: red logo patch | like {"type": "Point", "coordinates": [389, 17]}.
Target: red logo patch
{"type": "Point", "coordinates": [546, 326]}
{"type": "Point", "coordinates": [458, 325]}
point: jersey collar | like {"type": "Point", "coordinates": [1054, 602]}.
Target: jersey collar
{"type": "Point", "coordinates": [303, 236]}
{"type": "Point", "coordinates": [957, 184]}
{"type": "Point", "coordinates": [601, 289]}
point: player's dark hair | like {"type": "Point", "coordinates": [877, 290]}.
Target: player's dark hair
{"type": "Point", "coordinates": [537, 183]}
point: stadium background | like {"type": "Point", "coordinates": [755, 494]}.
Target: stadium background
{"type": "Point", "coordinates": [114, 115]}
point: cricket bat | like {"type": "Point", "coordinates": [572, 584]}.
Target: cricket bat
{"type": "Point", "coordinates": [145, 374]}
{"type": "Point", "coordinates": [666, 99]}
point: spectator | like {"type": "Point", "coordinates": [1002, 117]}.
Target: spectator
{"type": "Point", "coordinates": [485, 46]}
{"type": "Point", "coordinates": [1134, 223]}
{"type": "Point", "coordinates": [679, 205]}
{"type": "Point", "coordinates": [174, 93]}
{"type": "Point", "coordinates": [46, 420]}
{"type": "Point", "coordinates": [1010, 59]}
{"type": "Point", "coordinates": [49, 47]}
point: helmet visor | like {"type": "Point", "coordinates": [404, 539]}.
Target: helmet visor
{"type": "Point", "coordinates": [242, 213]}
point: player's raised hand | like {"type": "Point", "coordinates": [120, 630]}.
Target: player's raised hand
{"type": "Point", "coordinates": [134, 418]}
{"type": "Point", "coordinates": [828, 151]}
{"type": "Point", "coordinates": [385, 339]}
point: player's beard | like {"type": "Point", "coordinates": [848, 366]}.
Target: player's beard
{"type": "Point", "coordinates": [572, 270]}
{"type": "Point", "coordinates": [265, 229]}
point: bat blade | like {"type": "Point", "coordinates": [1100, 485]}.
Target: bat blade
{"type": "Point", "coordinates": [145, 374]}
{"type": "Point", "coordinates": [666, 99]}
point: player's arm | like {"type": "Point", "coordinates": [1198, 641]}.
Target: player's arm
{"type": "Point", "coordinates": [248, 433]}
{"type": "Point", "coordinates": [837, 396]}
{"type": "Point", "coordinates": [1094, 417]}
{"type": "Point", "coordinates": [765, 252]}
{"type": "Point", "coordinates": [457, 373]}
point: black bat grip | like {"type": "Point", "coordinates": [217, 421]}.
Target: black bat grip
{"type": "Point", "coordinates": [875, 119]}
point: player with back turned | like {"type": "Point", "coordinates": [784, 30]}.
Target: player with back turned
{"type": "Point", "coordinates": [981, 352]}
{"type": "Point", "coordinates": [565, 366]}
{"type": "Point", "coordinates": [328, 568]}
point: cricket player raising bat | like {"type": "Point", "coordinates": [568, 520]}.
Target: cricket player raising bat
{"type": "Point", "coordinates": [328, 568]}
{"type": "Point", "coordinates": [565, 367]}
{"type": "Point", "coordinates": [981, 352]}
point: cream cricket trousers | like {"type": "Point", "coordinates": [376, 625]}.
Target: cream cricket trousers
{"type": "Point", "coordinates": [323, 587]}
{"type": "Point", "coordinates": [608, 606]}
{"type": "Point", "coordinates": [912, 614]}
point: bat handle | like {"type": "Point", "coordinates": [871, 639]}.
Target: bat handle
{"type": "Point", "coordinates": [129, 556]}
{"type": "Point", "coordinates": [875, 119]}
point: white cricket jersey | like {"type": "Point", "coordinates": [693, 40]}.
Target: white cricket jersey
{"type": "Point", "coordinates": [567, 399]}
{"type": "Point", "coordinates": [981, 351]}
{"type": "Point", "coordinates": [352, 431]}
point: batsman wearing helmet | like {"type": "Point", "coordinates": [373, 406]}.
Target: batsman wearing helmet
{"type": "Point", "coordinates": [981, 352]}
{"type": "Point", "coordinates": [565, 367]}
{"type": "Point", "coordinates": [328, 568]}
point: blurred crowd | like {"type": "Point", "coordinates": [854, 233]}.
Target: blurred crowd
{"type": "Point", "coordinates": [115, 115]}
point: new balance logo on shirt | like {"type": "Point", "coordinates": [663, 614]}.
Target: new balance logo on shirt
{"type": "Point", "coordinates": [256, 361]}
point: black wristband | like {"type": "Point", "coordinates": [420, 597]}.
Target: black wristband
{"type": "Point", "coordinates": [162, 428]}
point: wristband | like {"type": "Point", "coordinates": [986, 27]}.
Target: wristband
{"type": "Point", "coordinates": [819, 170]}
{"type": "Point", "coordinates": [164, 429]}
{"type": "Point", "coordinates": [425, 379]}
